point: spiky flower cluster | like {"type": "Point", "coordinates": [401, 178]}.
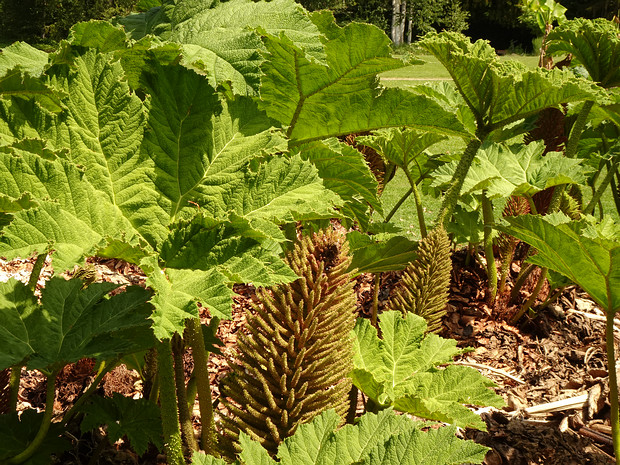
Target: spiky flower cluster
{"type": "Point", "coordinates": [426, 281]}
{"type": "Point", "coordinates": [295, 360]}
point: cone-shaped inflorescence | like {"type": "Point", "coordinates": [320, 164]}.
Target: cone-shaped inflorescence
{"type": "Point", "coordinates": [425, 282]}
{"type": "Point", "coordinates": [295, 360]}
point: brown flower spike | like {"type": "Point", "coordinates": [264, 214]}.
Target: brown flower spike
{"type": "Point", "coordinates": [295, 361]}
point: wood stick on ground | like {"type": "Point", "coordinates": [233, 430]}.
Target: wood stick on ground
{"type": "Point", "coordinates": [559, 405]}
{"type": "Point", "coordinates": [598, 437]}
{"type": "Point", "coordinates": [491, 369]}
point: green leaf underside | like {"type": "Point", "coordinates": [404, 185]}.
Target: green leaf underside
{"type": "Point", "coordinates": [591, 262]}
{"type": "Point", "coordinates": [137, 419]}
{"type": "Point", "coordinates": [317, 101]}
{"type": "Point", "coordinates": [385, 438]}
{"type": "Point", "coordinates": [70, 322]}
{"type": "Point", "coordinates": [400, 370]}
{"type": "Point", "coordinates": [514, 170]}
{"type": "Point", "coordinates": [370, 256]}
{"type": "Point", "coordinates": [501, 93]}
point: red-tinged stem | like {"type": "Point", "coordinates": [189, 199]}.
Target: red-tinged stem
{"type": "Point", "coordinates": [168, 402]}
{"type": "Point", "coordinates": [203, 383]}
{"type": "Point", "coordinates": [187, 428]}
{"type": "Point", "coordinates": [487, 215]}
{"type": "Point", "coordinates": [375, 300]}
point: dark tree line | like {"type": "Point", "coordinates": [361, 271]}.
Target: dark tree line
{"type": "Point", "coordinates": [50, 20]}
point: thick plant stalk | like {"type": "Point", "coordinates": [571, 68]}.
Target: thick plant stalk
{"type": "Point", "coordinates": [104, 369]}
{"type": "Point", "coordinates": [578, 127]}
{"type": "Point", "coordinates": [529, 302]}
{"type": "Point", "coordinates": [14, 380]}
{"type": "Point", "coordinates": [611, 170]}
{"type": "Point", "coordinates": [418, 202]}
{"type": "Point", "coordinates": [168, 401]}
{"type": "Point", "coordinates": [17, 370]}
{"type": "Point", "coordinates": [36, 271]}
{"type": "Point", "coordinates": [453, 193]}
{"type": "Point", "coordinates": [187, 428]}
{"type": "Point", "coordinates": [487, 215]}
{"type": "Point", "coordinates": [613, 380]}
{"type": "Point", "coordinates": [615, 190]}
{"type": "Point", "coordinates": [375, 300]}
{"type": "Point", "coordinates": [523, 275]}
{"type": "Point", "coordinates": [203, 384]}
{"type": "Point", "coordinates": [50, 396]}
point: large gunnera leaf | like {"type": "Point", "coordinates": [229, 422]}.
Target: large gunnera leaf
{"type": "Point", "coordinates": [118, 175]}
{"type": "Point", "coordinates": [219, 39]}
{"type": "Point", "coordinates": [521, 170]}
{"type": "Point", "coordinates": [401, 370]}
{"type": "Point", "coordinates": [18, 431]}
{"type": "Point", "coordinates": [72, 217]}
{"type": "Point", "coordinates": [137, 419]}
{"type": "Point", "coordinates": [585, 252]}
{"type": "Point", "coordinates": [26, 57]}
{"type": "Point", "coordinates": [342, 96]}
{"type": "Point", "coordinates": [384, 439]}
{"type": "Point", "coordinates": [500, 93]}
{"type": "Point", "coordinates": [71, 323]}
{"type": "Point", "coordinates": [593, 44]}
{"type": "Point", "coordinates": [344, 171]}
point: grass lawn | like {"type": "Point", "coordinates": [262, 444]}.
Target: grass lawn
{"type": "Point", "coordinates": [432, 70]}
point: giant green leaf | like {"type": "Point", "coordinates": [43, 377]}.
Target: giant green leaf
{"type": "Point", "coordinates": [440, 395]}
{"type": "Point", "coordinates": [25, 56]}
{"type": "Point", "coordinates": [501, 93]}
{"type": "Point", "coordinates": [405, 148]}
{"type": "Point", "coordinates": [589, 256]}
{"type": "Point", "coordinates": [177, 293]}
{"type": "Point", "coordinates": [434, 447]}
{"type": "Point", "coordinates": [232, 247]}
{"type": "Point", "coordinates": [385, 438]}
{"type": "Point", "coordinates": [197, 143]}
{"type": "Point", "coordinates": [316, 100]}
{"type": "Point", "coordinates": [280, 190]}
{"type": "Point", "coordinates": [139, 420]}
{"type": "Point", "coordinates": [142, 164]}
{"type": "Point", "coordinates": [518, 169]}
{"type": "Point", "coordinates": [69, 323]}
{"type": "Point", "coordinates": [72, 217]}
{"type": "Point", "coordinates": [401, 370]}
{"type": "Point", "coordinates": [219, 38]}
{"type": "Point", "coordinates": [344, 171]}
{"type": "Point", "coordinates": [593, 44]}
{"type": "Point", "coordinates": [371, 255]}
